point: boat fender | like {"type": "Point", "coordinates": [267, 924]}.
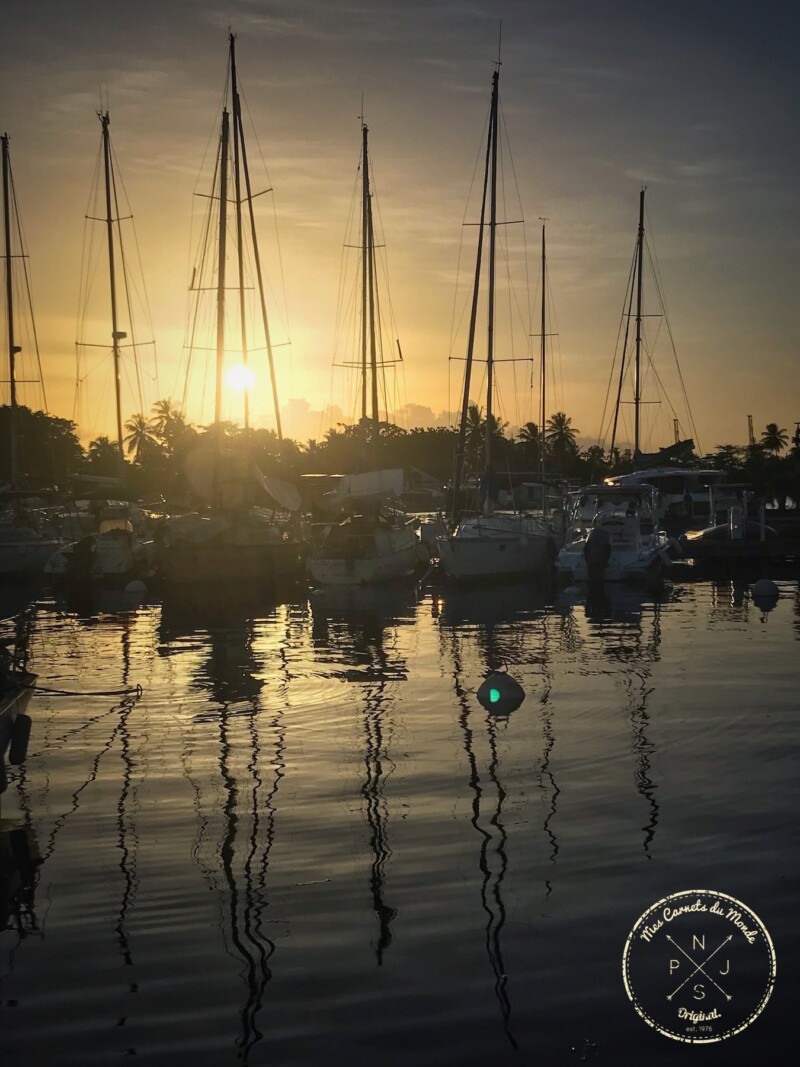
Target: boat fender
{"type": "Point", "coordinates": [20, 735]}
{"type": "Point", "coordinates": [500, 694]}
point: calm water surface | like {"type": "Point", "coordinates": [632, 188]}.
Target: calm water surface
{"type": "Point", "coordinates": [306, 843]}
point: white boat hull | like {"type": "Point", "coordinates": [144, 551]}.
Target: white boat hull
{"type": "Point", "coordinates": [26, 556]}
{"type": "Point", "coordinates": [393, 554]}
{"type": "Point", "coordinates": [113, 558]}
{"type": "Point", "coordinates": [625, 566]}
{"type": "Point", "coordinates": [497, 547]}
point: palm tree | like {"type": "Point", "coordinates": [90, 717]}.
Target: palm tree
{"type": "Point", "coordinates": [169, 426]}
{"type": "Point", "coordinates": [773, 439]}
{"type": "Point", "coordinates": [530, 439]}
{"type": "Point", "coordinates": [596, 462]}
{"type": "Point", "coordinates": [164, 412]}
{"type": "Point", "coordinates": [103, 455]}
{"type": "Point", "coordinates": [560, 437]}
{"type": "Point", "coordinates": [474, 434]}
{"type": "Point", "coordinates": [139, 436]}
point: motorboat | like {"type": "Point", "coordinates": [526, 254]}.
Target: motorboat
{"type": "Point", "coordinates": [629, 520]}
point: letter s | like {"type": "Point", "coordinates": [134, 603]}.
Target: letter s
{"type": "Point", "coordinates": [699, 991]}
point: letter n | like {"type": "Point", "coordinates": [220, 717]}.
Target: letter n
{"type": "Point", "coordinates": [699, 942]}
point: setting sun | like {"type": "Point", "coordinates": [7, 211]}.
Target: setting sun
{"type": "Point", "coordinates": [239, 378]}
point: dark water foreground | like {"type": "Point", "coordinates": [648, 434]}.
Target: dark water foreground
{"type": "Point", "coordinates": [308, 844]}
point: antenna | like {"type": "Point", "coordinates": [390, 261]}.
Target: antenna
{"type": "Point", "coordinates": [499, 63]}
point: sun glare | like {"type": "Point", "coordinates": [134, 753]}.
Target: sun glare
{"type": "Point", "coordinates": [239, 378]}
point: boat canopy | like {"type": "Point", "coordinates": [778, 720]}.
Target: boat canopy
{"type": "Point", "coordinates": [370, 484]}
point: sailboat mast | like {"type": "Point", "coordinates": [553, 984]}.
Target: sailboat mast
{"type": "Point", "coordinates": [473, 319]}
{"type": "Point", "coordinates": [116, 336]}
{"type": "Point", "coordinates": [543, 370]}
{"type": "Point", "coordinates": [637, 381]}
{"type": "Point", "coordinates": [370, 252]}
{"type": "Point", "coordinates": [257, 260]}
{"type": "Point", "coordinates": [364, 270]}
{"type": "Point", "coordinates": [492, 240]}
{"type": "Point", "coordinates": [12, 348]}
{"type": "Point", "coordinates": [237, 184]}
{"type": "Point", "coordinates": [223, 221]}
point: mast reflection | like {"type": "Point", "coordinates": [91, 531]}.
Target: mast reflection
{"type": "Point", "coordinates": [492, 856]}
{"type": "Point", "coordinates": [354, 623]}
{"type": "Point", "coordinates": [617, 614]}
{"type": "Point", "coordinates": [376, 811]}
{"type": "Point", "coordinates": [546, 772]}
{"type": "Point", "coordinates": [251, 735]}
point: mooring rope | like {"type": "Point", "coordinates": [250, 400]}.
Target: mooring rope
{"type": "Point", "coordinates": [131, 689]}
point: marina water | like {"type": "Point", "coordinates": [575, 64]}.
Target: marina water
{"type": "Point", "coordinates": [306, 842]}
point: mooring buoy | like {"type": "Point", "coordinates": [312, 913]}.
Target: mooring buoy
{"type": "Point", "coordinates": [500, 694]}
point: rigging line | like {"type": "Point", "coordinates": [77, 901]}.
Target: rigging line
{"type": "Point", "coordinates": [555, 362]}
{"type": "Point", "coordinates": [622, 320]}
{"type": "Point", "coordinates": [461, 241]}
{"type": "Point", "coordinates": [664, 393]}
{"type": "Point", "coordinates": [205, 249]}
{"type": "Point", "coordinates": [124, 266]}
{"type": "Point", "coordinates": [657, 281]}
{"type": "Point", "coordinates": [339, 321]}
{"type": "Point", "coordinates": [87, 258]}
{"type": "Point", "coordinates": [144, 296]}
{"type": "Point", "coordinates": [529, 318]}
{"type": "Point", "coordinates": [625, 343]}
{"type": "Point", "coordinates": [283, 308]}
{"type": "Point", "coordinates": [26, 277]}
{"type": "Point", "coordinates": [391, 328]}
{"type": "Point", "coordinates": [195, 266]}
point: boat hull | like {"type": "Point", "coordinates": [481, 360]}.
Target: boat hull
{"type": "Point", "coordinates": [621, 567]}
{"type": "Point", "coordinates": [497, 546]}
{"type": "Point", "coordinates": [188, 564]}
{"type": "Point", "coordinates": [109, 560]}
{"type": "Point", "coordinates": [472, 560]}
{"type": "Point", "coordinates": [14, 699]}
{"type": "Point", "coordinates": [393, 554]}
{"type": "Point", "coordinates": [25, 558]}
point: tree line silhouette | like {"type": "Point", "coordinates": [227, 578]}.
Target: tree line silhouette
{"type": "Point", "coordinates": [51, 455]}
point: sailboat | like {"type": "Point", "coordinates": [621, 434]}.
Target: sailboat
{"type": "Point", "coordinates": [371, 540]}
{"type": "Point", "coordinates": [627, 516]}
{"type": "Point", "coordinates": [23, 549]}
{"type": "Point", "coordinates": [233, 538]}
{"type": "Point", "coordinates": [491, 544]}
{"type": "Point", "coordinates": [114, 554]}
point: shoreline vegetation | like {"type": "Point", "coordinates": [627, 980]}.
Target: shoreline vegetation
{"type": "Point", "coordinates": [51, 456]}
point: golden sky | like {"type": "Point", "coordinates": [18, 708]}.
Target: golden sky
{"type": "Point", "coordinates": [696, 101]}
